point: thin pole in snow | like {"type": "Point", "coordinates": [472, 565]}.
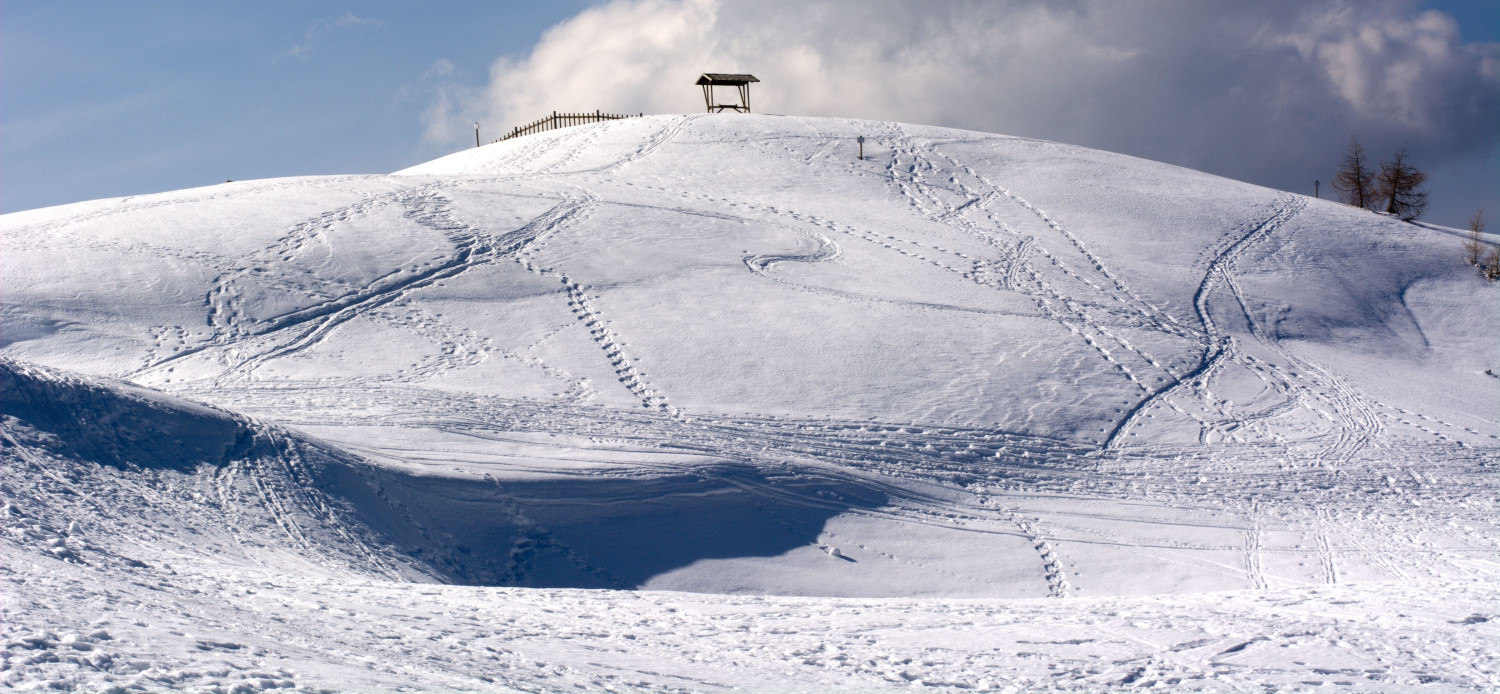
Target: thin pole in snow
{"type": "Point", "coordinates": [476, 133]}
{"type": "Point", "coordinates": [861, 147]}
{"type": "Point", "coordinates": [1315, 188]}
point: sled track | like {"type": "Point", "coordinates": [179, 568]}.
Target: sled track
{"type": "Point", "coordinates": [225, 314]}
{"type": "Point", "coordinates": [1120, 293]}
{"type": "Point", "coordinates": [1052, 302]}
{"type": "Point", "coordinates": [1358, 422]}
{"type": "Point", "coordinates": [310, 325]}
{"type": "Point", "coordinates": [1216, 346]}
{"type": "Point", "coordinates": [657, 141]}
{"type": "Point", "coordinates": [827, 254]}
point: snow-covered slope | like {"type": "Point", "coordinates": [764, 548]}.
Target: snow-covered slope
{"type": "Point", "coordinates": [721, 354]}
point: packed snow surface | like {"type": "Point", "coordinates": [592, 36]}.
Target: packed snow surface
{"type": "Point", "coordinates": [707, 403]}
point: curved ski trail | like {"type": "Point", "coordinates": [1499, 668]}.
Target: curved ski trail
{"type": "Point", "coordinates": [1216, 346]}
{"type": "Point", "coordinates": [302, 328]}
{"type": "Point", "coordinates": [1066, 310]}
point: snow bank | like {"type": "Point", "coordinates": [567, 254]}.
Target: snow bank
{"type": "Point", "coordinates": [118, 424]}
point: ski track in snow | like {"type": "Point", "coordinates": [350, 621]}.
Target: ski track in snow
{"type": "Point", "coordinates": [1054, 303]}
{"type": "Point", "coordinates": [1292, 535]}
{"type": "Point", "coordinates": [298, 330]}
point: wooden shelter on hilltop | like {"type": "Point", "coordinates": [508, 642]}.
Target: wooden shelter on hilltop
{"type": "Point", "coordinates": [709, 80]}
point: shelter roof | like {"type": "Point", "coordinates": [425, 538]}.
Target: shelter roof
{"type": "Point", "coordinates": [720, 78]}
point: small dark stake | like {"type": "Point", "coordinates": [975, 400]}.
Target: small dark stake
{"type": "Point", "coordinates": [861, 147]}
{"type": "Point", "coordinates": [1315, 188]}
{"type": "Point", "coordinates": [476, 134]}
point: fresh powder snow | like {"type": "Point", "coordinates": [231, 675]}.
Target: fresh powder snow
{"type": "Point", "coordinates": [707, 403]}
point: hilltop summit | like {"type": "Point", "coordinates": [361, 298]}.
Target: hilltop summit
{"type": "Point", "coordinates": [751, 264]}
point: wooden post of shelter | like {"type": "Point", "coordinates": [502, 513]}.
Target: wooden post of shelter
{"type": "Point", "coordinates": [709, 80]}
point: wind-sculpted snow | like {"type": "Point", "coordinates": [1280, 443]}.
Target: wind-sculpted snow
{"type": "Point", "coordinates": [140, 473]}
{"type": "Point", "coordinates": [472, 529]}
{"type": "Point", "coordinates": [119, 426]}
{"type": "Point", "coordinates": [1155, 428]}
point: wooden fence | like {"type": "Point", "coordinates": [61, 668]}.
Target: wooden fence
{"type": "Point", "coordinates": [563, 120]}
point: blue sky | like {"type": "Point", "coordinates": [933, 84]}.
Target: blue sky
{"type": "Point", "coordinates": [114, 98]}
{"type": "Point", "coordinates": [101, 99]}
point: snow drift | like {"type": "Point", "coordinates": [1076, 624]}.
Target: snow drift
{"type": "Point", "coordinates": [204, 472]}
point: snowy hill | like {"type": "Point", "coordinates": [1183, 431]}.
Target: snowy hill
{"type": "Point", "coordinates": [721, 354]}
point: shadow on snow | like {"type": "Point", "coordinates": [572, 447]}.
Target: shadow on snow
{"type": "Point", "coordinates": [581, 531]}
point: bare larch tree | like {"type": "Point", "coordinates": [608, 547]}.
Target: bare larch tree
{"type": "Point", "coordinates": [1401, 185]}
{"type": "Point", "coordinates": [1355, 180]}
{"type": "Point", "coordinates": [1474, 245]}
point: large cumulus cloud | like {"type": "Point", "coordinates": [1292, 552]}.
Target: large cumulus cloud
{"type": "Point", "coordinates": [1267, 92]}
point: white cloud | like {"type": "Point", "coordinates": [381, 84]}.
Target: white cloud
{"type": "Point", "coordinates": [1266, 91]}
{"type": "Point", "coordinates": [442, 67]}
{"type": "Point", "coordinates": [324, 26]}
